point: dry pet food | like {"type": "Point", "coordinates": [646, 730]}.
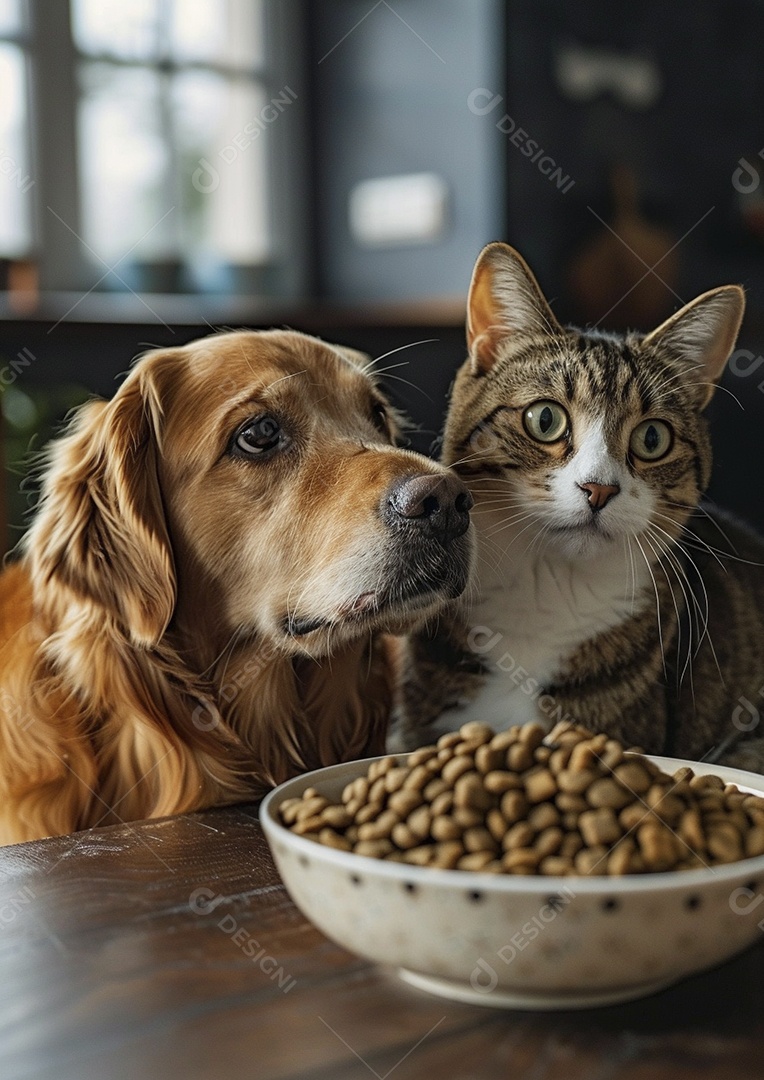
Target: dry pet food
{"type": "Point", "coordinates": [523, 802]}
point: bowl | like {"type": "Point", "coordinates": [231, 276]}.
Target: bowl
{"type": "Point", "coordinates": [520, 942]}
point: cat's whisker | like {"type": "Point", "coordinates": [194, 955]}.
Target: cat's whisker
{"type": "Point", "coordinates": [694, 612]}
{"type": "Point", "coordinates": [492, 554]}
{"type": "Point", "coordinates": [701, 614]}
{"type": "Point", "coordinates": [670, 548]}
{"type": "Point", "coordinates": [470, 457]}
{"type": "Point", "coordinates": [717, 552]}
{"type": "Point", "coordinates": [408, 382]}
{"type": "Point", "coordinates": [490, 498]}
{"type": "Point", "coordinates": [541, 537]}
{"type": "Point", "coordinates": [699, 539]}
{"type": "Point", "coordinates": [504, 493]}
{"type": "Point", "coordinates": [524, 530]}
{"type": "Point", "coordinates": [426, 341]}
{"type": "Point", "coordinates": [688, 662]}
{"type": "Point", "coordinates": [493, 508]}
{"type": "Point", "coordinates": [657, 605]}
{"type": "Point", "coordinates": [493, 479]}
{"type": "Point", "coordinates": [627, 546]}
{"type": "Point", "coordinates": [515, 520]}
{"type": "Point", "coordinates": [701, 509]}
{"type": "Point", "coordinates": [661, 381]}
{"type": "Point", "coordinates": [504, 498]}
{"type": "Point", "coordinates": [704, 545]}
{"type": "Point", "coordinates": [706, 630]}
{"type": "Point", "coordinates": [391, 367]}
{"type": "Point", "coordinates": [725, 390]}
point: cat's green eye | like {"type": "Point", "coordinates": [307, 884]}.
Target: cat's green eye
{"type": "Point", "coordinates": [651, 440]}
{"type": "Point", "coordinates": [546, 421]}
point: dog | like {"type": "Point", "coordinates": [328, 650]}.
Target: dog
{"type": "Point", "coordinates": [198, 609]}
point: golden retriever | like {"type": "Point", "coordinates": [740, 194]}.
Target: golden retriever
{"type": "Point", "coordinates": [196, 612]}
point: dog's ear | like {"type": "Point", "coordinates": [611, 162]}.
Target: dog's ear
{"type": "Point", "coordinates": [101, 528]}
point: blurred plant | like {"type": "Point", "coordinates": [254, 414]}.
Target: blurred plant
{"type": "Point", "coordinates": [31, 416]}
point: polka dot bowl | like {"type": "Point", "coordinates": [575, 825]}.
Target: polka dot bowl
{"type": "Point", "coordinates": [520, 942]}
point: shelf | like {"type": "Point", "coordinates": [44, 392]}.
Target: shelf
{"type": "Point", "coordinates": [218, 311]}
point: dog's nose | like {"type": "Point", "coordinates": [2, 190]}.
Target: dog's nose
{"type": "Point", "coordinates": [599, 495]}
{"type": "Point", "coordinates": [438, 503]}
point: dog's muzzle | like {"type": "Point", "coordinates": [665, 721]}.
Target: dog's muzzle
{"type": "Point", "coordinates": [427, 517]}
{"type": "Point", "coordinates": [436, 505]}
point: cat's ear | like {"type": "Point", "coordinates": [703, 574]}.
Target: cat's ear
{"type": "Point", "coordinates": [703, 334]}
{"type": "Point", "coordinates": [504, 300]}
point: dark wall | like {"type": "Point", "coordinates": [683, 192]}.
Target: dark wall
{"type": "Point", "coordinates": [391, 98]}
{"type": "Point", "coordinates": [391, 91]}
{"type": "Point", "coordinates": [682, 147]}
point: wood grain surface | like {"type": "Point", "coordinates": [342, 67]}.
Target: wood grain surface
{"type": "Point", "coordinates": [169, 950]}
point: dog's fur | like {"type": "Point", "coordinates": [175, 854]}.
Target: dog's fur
{"type": "Point", "coordinates": [188, 625]}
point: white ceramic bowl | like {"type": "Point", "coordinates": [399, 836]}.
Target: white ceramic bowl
{"type": "Point", "coordinates": [520, 942]}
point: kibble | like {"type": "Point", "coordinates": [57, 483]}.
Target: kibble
{"type": "Point", "coordinates": [525, 803]}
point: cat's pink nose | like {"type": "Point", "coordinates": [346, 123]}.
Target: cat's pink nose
{"type": "Point", "coordinates": [599, 495]}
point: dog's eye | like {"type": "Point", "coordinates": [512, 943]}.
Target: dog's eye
{"type": "Point", "coordinates": [259, 436]}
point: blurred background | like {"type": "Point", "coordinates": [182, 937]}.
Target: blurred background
{"type": "Point", "coordinates": [172, 166]}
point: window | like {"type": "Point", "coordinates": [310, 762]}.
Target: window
{"type": "Point", "coordinates": [158, 162]}
{"type": "Point", "coordinates": [164, 87]}
{"type": "Point", "coordinates": [15, 180]}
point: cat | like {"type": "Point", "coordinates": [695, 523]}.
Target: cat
{"type": "Point", "coordinates": [606, 593]}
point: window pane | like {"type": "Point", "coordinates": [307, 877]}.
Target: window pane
{"type": "Point", "coordinates": [227, 32]}
{"type": "Point", "coordinates": [123, 153]}
{"type": "Point", "coordinates": [10, 16]}
{"type": "Point", "coordinates": [222, 134]}
{"type": "Point", "coordinates": [126, 28]}
{"type": "Point", "coordinates": [15, 181]}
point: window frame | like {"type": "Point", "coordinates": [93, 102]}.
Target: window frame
{"type": "Point", "coordinates": [64, 264]}
{"type": "Point", "coordinates": [21, 39]}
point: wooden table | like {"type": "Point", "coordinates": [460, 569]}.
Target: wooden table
{"type": "Point", "coordinates": [169, 949]}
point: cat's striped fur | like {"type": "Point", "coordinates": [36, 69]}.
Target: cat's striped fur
{"type": "Point", "coordinates": [643, 618]}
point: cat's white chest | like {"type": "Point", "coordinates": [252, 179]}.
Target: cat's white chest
{"type": "Point", "coordinates": [532, 611]}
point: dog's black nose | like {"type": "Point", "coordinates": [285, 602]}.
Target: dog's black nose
{"type": "Point", "coordinates": [437, 503]}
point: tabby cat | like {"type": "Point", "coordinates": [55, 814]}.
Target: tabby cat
{"type": "Point", "coordinates": [606, 592]}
